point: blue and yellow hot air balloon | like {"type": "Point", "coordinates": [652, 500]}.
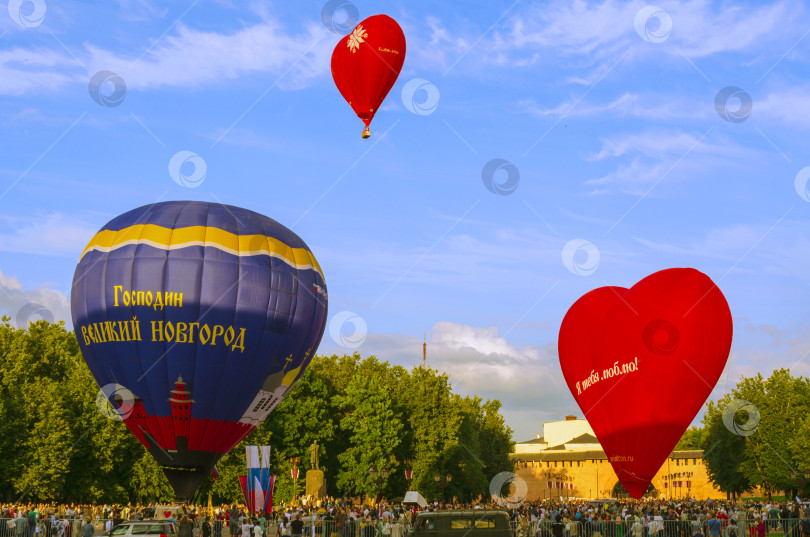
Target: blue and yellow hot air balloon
{"type": "Point", "coordinates": [196, 319]}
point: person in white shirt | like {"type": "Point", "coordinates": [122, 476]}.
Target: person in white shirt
{"type": "Point", "coordinates": [637, 529]}
{"type": "Point", "coordinates": [572, 527]}
{"type": "Point", "coordinates": [656, 527]}
{"type": "Point", "coordinates": [397, 529]}
{"type": "Point", "coordinates": [247, 527]}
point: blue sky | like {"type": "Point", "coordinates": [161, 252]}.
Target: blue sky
{"type": "Point", "coordinates": [615, 118]}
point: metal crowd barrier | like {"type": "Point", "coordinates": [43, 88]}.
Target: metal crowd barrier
{"type": "Point", "coordinates": [46, 527]}
{"type": "Point", "coordinates": [662, 528]}
{"type": "Point", "coordinates": [317, 528]}
{"type": "Point", "coordinates": [328, 528]}
{"type": "Point", "coordinates": [18, 527]}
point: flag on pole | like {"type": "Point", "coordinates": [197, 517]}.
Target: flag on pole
{"type": "Point", "coordinates": [257, 485]}
{"type": "Point", "coordinates": [243, 483]}
{"type": "Point", "coordinates": [255, 492]}
{"type": "Point", "coordinates": [266, 479]}
{"type": "Point", "coordinates": [268, 497]}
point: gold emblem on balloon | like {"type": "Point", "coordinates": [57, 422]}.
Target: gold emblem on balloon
{"type": "Point", "coordinates": [356, 37]}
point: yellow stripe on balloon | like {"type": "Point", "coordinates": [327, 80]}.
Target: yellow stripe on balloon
{"type": "Point", "coordinates": [176, 239]}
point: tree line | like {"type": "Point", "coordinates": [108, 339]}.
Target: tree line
{"type": "Point", "coordinates": [757, 436]}
{"type": "Point", "coordinates": [58, 446]}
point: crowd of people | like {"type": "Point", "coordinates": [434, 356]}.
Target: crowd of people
{"type": "Point", "coordinates": [330, 518]}
{"type": "Point", "coordinates": [660, 518]}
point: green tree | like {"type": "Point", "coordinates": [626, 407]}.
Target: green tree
{"type": "Point", "coordinates": [375, 428]}
{"type": "Point", "coordinates": [433, 426]}
{"type": "Point", "coordinates": [58, 446]}
{"type": "Point", "coordinates": [693, 438]}
{"type": "Point", "coordinates": [784, 405]}
{"type": "Point", "coordinates": [496, 440]}
{"type": "Point", "coordinates": [753, 434]}
{"type": "Point", "coordinates": [724, 452]}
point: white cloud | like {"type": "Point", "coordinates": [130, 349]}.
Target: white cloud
{"type": "Point", "coordinates": [187, 58]}
{"type": "Point", "coordinates": [24, 305]}
{"type": "Point", "coordinates": [787, 106]}
{"type": "Point", "coordinates": [777, 336]}
{"type": "Point", "coordinates": [700, 29]}
{"type": "Point", "coordinates": [52, 234]}
{"type": "Point", "coordinates": [716, 243]}
{"type": "Point", "coordinates": [140, 10]}
{"type": "Point", "coordinates": [440, 48]}
{"type": "Point", "coordinates": [191, 58]}
{"type": "Point", "coordinates": [662, 144]}
{"type": "Point", "coordinates": [654, 154]}
{"type": "Point", "coordinates": [634, 178]}
{"type": "Point", "coordinates": [767, 248]}
{"type": "Point", "coordinates": [570, 27]}
{"type": "Point", "coordinates": [599, 30]}
{"type": "Point", "coordinates": [648, 106]}
{"type": "Point", "coordinates": [37, 70]}
{"type": "Point", "coordinates": [596, 32]}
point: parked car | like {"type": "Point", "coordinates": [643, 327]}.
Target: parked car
{"type": "Point", "coordinates": [143, 528]}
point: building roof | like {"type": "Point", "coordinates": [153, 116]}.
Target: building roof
{"type": "Point", "coordinates": [584, 439]}
{"type": "Point", "coordinates": [534, 441]}
{"type": "Point", "coordinates": [551, 456]}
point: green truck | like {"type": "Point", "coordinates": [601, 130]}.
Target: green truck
{"type": "Point", "coordinates": [468, 523]}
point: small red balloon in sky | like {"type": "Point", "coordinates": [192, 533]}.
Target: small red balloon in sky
{"type": "Point", "coordinates": [366, 64]}
{"type": "Point", "coordinates": [641, 362]}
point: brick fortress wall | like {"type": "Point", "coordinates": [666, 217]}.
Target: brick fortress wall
{"type": "Point", "coordinates": [592, 475]}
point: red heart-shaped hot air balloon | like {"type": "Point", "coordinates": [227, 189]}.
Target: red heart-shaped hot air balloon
{"type": "Point", "coordinates": [641, 362]}
{"type": "Point", "coordinates": [366, 64]}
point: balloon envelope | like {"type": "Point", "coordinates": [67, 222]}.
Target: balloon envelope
{"type": "Point", "coordinates": [196, 319]}
{"type": "Point", "coordinates": [641, 362]}
{"type": "Point", "coordinates": [367, 62]}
